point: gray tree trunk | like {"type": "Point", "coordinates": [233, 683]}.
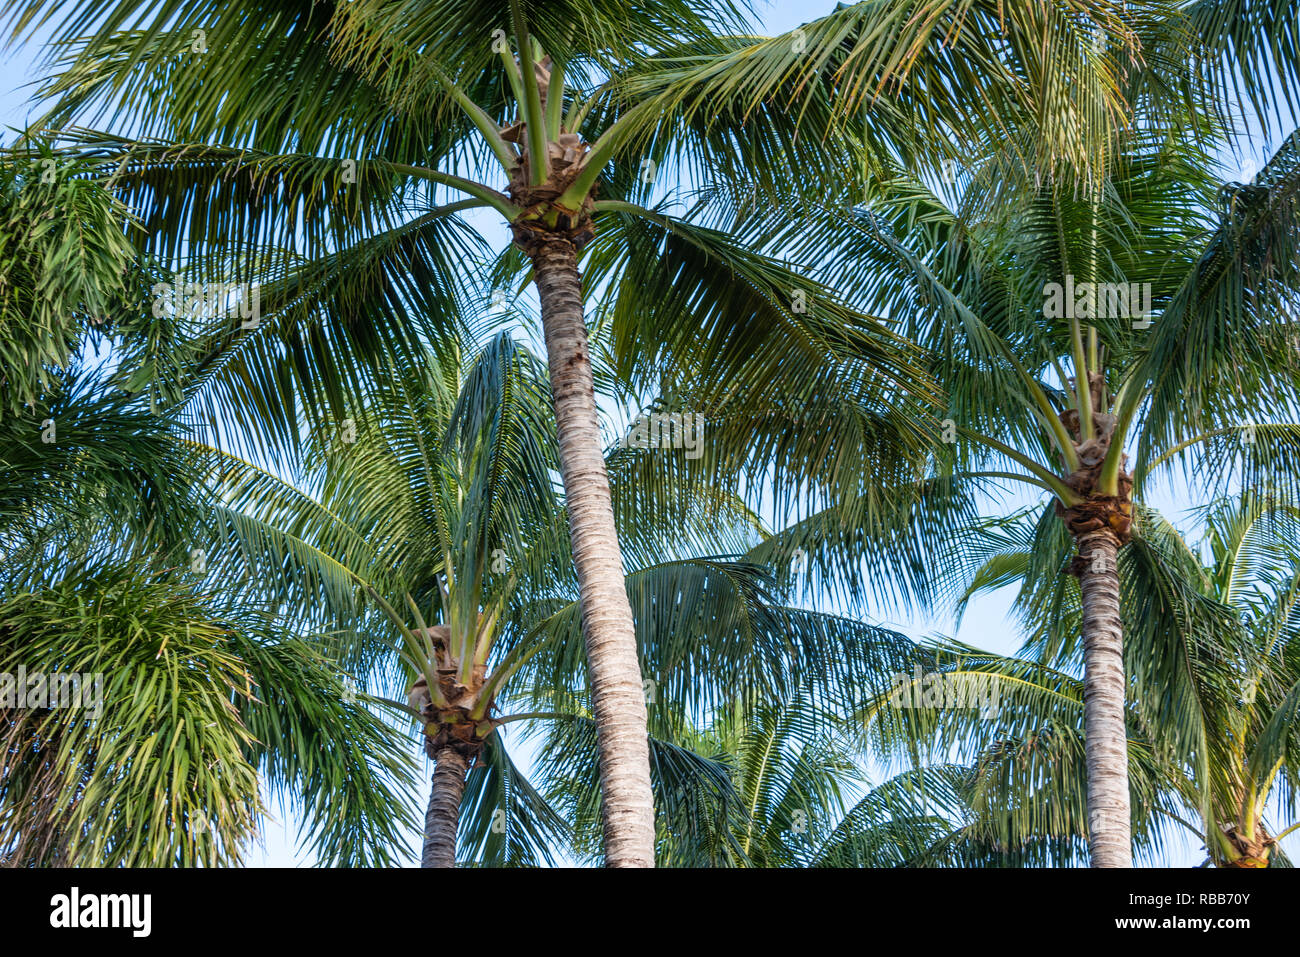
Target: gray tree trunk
{"type": "Point", "coordinates": [617, 698]}
{"type": "Point", "coordinates": [444, 809]}
{"type": "Point", "coordinates": [1106, 743]}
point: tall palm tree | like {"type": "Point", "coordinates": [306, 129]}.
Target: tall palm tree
{"type": "Point", "coordinates": [1222, 621]}
{"type": "Point", "coordinates": [411, 98]}
{"type": "Point", "coordinates": [1079, 92]}
{"type": "Point", "coordinates": [425, 537]}
{"type": "Point", "coordinates": [1056, 400]}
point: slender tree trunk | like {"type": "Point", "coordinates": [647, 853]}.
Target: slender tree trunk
{"type": "Point", "coordinates": [444, 809]}
{"type": "Point", "coordinates": [617, 697]}
{"type": "Point", "coordinates": [1106, 743]}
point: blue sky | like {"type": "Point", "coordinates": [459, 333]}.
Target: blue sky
{"type": "Point", "coordinates": [985, 624]}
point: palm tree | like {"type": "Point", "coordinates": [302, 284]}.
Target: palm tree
{"type": "Point", "coordinates": [170, 699]}
{"type": "Point", "coordinates": [1255, 570]}
{"type": "Point", "coordinates": [438, 497]}
{"type": "Point", "coordinates": [399, 123]}
{"type": "Point", "coordinates": [793, 770]}
{"type": "Point", "coordinates": [1221, 619]}
{"type": "Point", "coordinates": [173, 706]}
{"type": "Point", "coordinates": [1082, 99]}
{"type": "Point", "coordinates": [1056, 400]}
{"type": "Point", "coordinates": [442, 504]}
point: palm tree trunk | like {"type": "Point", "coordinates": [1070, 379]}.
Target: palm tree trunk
{"type": "Point", "coordinates": [1105, 740]}
{"type": "Point", "coordinates": [617, 697]}
{"type": "Point", "coordinates": [444, 809]}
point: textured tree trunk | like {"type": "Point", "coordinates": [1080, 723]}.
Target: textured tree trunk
{"type": "Point", "coordinates": [617, 697]}
{"type": "Point", "coordinates": [444, 809]}
{"type": "Point", "coordinates": [1106, 743]}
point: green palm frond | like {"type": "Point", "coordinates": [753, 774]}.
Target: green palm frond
{"type": "Point", "coordinates": [917, 80]}
{"type": "Point", "coordinates": [1228, 333]}
{"type": "Point", "coordinates": [64, 253]}
{"type": "Point", "coordinates": [505, 822]}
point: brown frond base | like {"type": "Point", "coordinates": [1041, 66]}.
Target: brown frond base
{"type": "Point", "coordinates": [1250, 852]}
{"type": "Point", "coordinates": [532, 236]}
{"type": "Point", "coordinates": [454, 729]}
{"type": "Point", "coordinates": [1099, 512]}
{"type": "Point", "coordinates": [542, 220]}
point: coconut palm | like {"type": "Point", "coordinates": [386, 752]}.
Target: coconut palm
{"type": "Point", "coordinates": [431, 543]}
{"type": "Point", "coordinates": [1056, 399]}
{"type": "Point", "coordinates": [794, 778]}
{"type": "Point", "coordinates": [424, 504]}
{"type": "Point", "coordinates": [1222, 731]}
{"type": "Point", "coordinates": [1254, 564]}
{"type": "Point", "coordinates": [411, 100]}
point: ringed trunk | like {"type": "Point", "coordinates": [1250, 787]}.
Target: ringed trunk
{"type": "Point", "coordinates": [618, 700]}
{"type": "Point", "coordinates": [1105, 740]}
{"type": "Point", "coordinates": [443, 814]}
